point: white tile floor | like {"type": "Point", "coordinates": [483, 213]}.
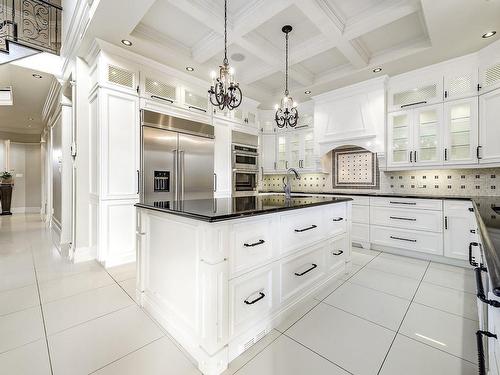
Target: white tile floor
{"type": "Point", "coordinates": [390, 316]}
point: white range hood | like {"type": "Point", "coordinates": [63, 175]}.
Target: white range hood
{"type": "Point", "coordinates": [352, 116]}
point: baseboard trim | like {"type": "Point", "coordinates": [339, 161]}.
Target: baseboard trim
{"type": "Point", "coordinates": [25, 210]}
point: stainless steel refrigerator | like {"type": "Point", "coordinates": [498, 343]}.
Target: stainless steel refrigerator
{"type": "Point", "coordinates": [177, 157]}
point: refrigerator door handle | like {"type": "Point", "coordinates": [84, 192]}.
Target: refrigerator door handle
{"type": "Point", "coordinates": [181, 170]}
{"type": "Point", "coordinates": [215, 182]}
{"type": "Point", "coordinates": [174, 179]}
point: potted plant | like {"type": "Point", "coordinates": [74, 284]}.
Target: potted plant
{"type": "Point", "coordinates": [6, 178]}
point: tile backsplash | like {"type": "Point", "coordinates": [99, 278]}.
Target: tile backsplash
{"type": "Point", "coordinates": [457, 182]}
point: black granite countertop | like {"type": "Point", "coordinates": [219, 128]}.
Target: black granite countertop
{"type": "Point", "coordinates": [377, 194]}
{"type": "Point", "coordinates": [220, 209]}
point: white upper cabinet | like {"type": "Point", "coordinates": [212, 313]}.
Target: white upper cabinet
{"type": "Point", "coordinates": [427, 127]}
{"type": "Point", "coordinates": [245, 115]}
{"type": "Point", "coordinates": [489, 67]}
{"type": "Point", "coordinates": [414, 137]}
{"type": "Point", "coordinates": [461, 79]}
{"type": "Point", "coordinates": [268, 152]}
{"type": "Point", "coordinates": [489, 127]}
{"type": "Point", "coordinates": [460, 131]}
{"type": "Point", "coordinates": [411, 92]}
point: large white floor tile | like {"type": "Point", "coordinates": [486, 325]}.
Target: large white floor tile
{"type": "Point", "coordinates": [351, 342]}
{"type": "Point", "coordinates": [130, 288]}
{"type": "Point", "coordinates": [328, 288]}
{"type": "Point", "coordinates": [396, 285]}
{"type": "Point", "coordinates": [375, 306]}
{"type": "Point", "coordinates": [123, 272]}
{"type": "Point", "coordinates": [92, 345]}
{"type": "Point", "coordinates": [67, 312]}
{"type": "Point", "coordinates": [250, 353]}
{"type": "Point", "coordinates": [56, 268]}
{"type": "Point", "coordinates": [18, 299]}
{"type": "Point", "coordinates": [297, 313]}
{"type": "Point", "coordinates": [447, 299]}
{"type": "Point", "coordinates": [410, 357]}
{"type": "Point", "coordinates": [361, 257]}
{"type": "Point", "coordinates": [20, 328]}
{"type": "Point", "coordinates": [16, 279]}
{"type": "Point", "coordinates": [399, 266]}
{"type": "Point", "coordinates": [30, 359]}
{"type": "Point", "coordinates": [158, 358]}
{"type": "Point", "coordinates": [448, 267]}
{"type": "Point", "coordinates": [464, 281]}
{"type": "Point", "coordinates": [286, 357]}
{"type": "Point", "coordinates": [442, 330]}
{"type": "Point", "coordinates": [71, 285]}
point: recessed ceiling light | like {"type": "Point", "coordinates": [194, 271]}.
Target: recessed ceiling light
{"type": "Point", "coordinates": [189, 68]}
{"type": "Point", "coordinates": [29, 126]}
{"type": "Point", "coordinates": [30, 118]}
{"type": "Point", "coordinates": [237, 57]}
{"type": "Point", "coordinates": [377, 70]}
{"type": "Point", "coordinates": [37, 76]}
{"type": "Point", "coordinates": [126, 42]}
{"type": "Point", "coordinates": [307, 92]}
{"type": "Point", "coordinates": [489, 34]}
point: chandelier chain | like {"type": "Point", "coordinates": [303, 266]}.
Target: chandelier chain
{"type": "Point", "coordinates": [286, 65]}
{"type": "Point", "coordinates": [225, 31]}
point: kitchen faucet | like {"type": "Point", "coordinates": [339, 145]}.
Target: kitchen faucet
{"type": "Point", "coordinates": [287, 185]}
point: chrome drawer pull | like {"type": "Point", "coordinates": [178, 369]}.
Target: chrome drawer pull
{"type": "Point", "coordinates": [403, 239]}
{"type": "Point", "coordinates": [337, 219]}
{"type": "Point", "coordinates": [409, 203]}
{"type": "Point", "coordinates": [480, 289]}
{"type": "Point", "coordinates": [340, 252]}
{"type": "Point", "coordinates": [402, 218]}
{"type": "Point", "coordinates": [306, 229]}
{"type": "Point", "coordinates": [259, 242]}
{"type": "Point", "coordinates": [306, 271]}
{"type": "Point", "coordinates": [480, 349]}
{"type": "Point", "coordinates": [262, 295]}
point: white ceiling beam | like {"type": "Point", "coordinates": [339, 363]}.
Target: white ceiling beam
{"type": "Point", "coordinates": [256, 13]}
{"type": "Point", "coordinates": [331, 24]}
{"type": "Point", "coordinates": [382, 14]}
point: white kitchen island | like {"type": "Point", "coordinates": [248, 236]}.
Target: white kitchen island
{"type": "Point", "coordinates": [219, 274]}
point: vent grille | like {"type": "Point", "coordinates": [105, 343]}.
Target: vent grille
{"type": "Point", "coordinates": [248, 344]}
{"type": "Point", "coordinates": [158, 88]}
{"type": "Point", "coordinates": [120, 76]}
{"type": "Point", "coordinates": [492, 75]}
{"type": "Point", "coordinates": [254, 340]}
{"type": "Point", "coordinates": [419, 94]}
{"type": "Point", "coordinates": [460, 85]}
{"type": "Point", "coordinates": [196, 100]}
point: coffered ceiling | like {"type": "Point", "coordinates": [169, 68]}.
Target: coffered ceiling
{"type": "Point", "coordinates": [334, 42]}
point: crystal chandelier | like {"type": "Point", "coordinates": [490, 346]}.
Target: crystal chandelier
{"type": "Point", "coordinates": [224, 92]}
{"type": "Point", "coordinates": [286, 113]}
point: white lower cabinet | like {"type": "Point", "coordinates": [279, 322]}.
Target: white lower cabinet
{"type": "Point", "coordinates": [300, 271]}
{"type": "Point", "coordinates": [460, 228]}
{"type": "Point", "coordinates": [426, 220]}
{"type": "Point", "coordinates": [420, 241]}
{"type": "Point", "coordinates": [300, 229]}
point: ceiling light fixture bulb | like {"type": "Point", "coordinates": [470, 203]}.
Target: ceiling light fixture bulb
{"type": "Point", "coordinates": [189, 68]}
{"type": "Point", "coordinates": [307, 92]}
{"type": "Point", "coordinates": [489, 34]}
{"type": "Point", "coordinates": [377, 70]}
{"type": "Point", "coordinates": [126, 42]}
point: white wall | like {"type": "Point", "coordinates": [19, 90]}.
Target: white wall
{"type": "Point", "coordinates": [3, 159]}
{"type": "Point", "coordinates": [25, 164]}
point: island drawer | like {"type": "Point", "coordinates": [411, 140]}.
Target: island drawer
{"type": "Point", "coordinates": [336, 218]}
{"type": "Point", "coordinates": [250, 299]}
{"type": "Point", "coordinates": [301, 228]}
{"type": "Point", "coordinates": [425, 242]}
{"type": "Point", "coordinates": [251, 244]}
{"type": "Point", "coordinates": [407, 203]}
{"type": "Point", "coordinates": [337, 251]}
{"type": "Point", "coordinates": [300, 271]}
{"type": "Point", "coordinates": [428, 220]}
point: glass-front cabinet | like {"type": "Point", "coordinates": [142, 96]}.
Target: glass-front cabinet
{"type": "Point", "coordinates": [399, 126]}
{"type": "Point", "coordinates": [460, 131]}
{"type": "Point", "coordinates": [282, 154]}
{"type": "Point", "coordinates": [427, 135]}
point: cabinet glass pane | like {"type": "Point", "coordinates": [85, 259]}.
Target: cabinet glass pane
{"type": "Point", "coordinates": [281, 152]}
{"type": "Point", "coordinates": [294, 147]}
{"type": "Point", "coordinates": [460, 128]}
{"type": "Point", "coordinates": [428, 135]}
{"type": "Point", "coordinates": [308, 150]}
{"type": "Point", "coordinates": [400, 136]}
